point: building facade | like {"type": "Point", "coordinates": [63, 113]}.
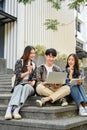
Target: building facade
{"type": "Point", "coordinates": [24, 25]}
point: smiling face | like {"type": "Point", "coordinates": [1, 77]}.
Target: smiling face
{"type": "Point", "coordinates": [50, 59]}
{"type": "Point", "coordinates": [71, 61]}
{"type": "Point", "coordinates": [32, 54]}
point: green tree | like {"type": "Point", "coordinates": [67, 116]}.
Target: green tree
{"type": "Point", "coordinates": [57, 3]}
{"type": "Point", "coordinates": [53, 23]}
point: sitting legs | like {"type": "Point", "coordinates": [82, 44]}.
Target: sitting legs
{"type": "Point", "coordinates": [52, 95]}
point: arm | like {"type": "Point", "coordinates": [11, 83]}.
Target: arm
{"type": "Point", "coordinates": [81, 77]}
{"type": "Point", "coordinates": [41, 75]}
{"type": "Point", "coordinates": [33, 77]}
{"type": "Point", "coordinates": [29, 70]}
{"type": "Point", "coordinates": [18, 70]}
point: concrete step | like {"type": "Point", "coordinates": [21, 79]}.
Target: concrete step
{"type": "Point", "coordinates": [73, 123]}
{"type": "Point", "coordinates": [31, 101]}
{"type": "Point", "coordinates": [5, 83]}
{"type": "Point", "coordinates": [5, 75]}
{"type": "Point", "coordinates": [5, 79]}
{"type": "Point", "coordinates": [4, 98]}
{"type": "Point", "coordinates": [45, 113]}
{"type": "Point", "coordinates": [7, 87]}
{"type": "Point", "coordinates": [5, 90]}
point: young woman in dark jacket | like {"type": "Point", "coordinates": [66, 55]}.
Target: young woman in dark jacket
{"type": "Point", "coordinates": [24, 83]}
{"type": "Point", "coordinates": [77, 90]}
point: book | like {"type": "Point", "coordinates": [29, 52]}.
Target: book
{"type": "Point", "coordinates": [74, 80]}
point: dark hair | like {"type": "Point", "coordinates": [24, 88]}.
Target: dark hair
{"type": "Point", "coordinates": [25, 56]}
{"type": "Point", "coordinates": [76, 66]}
{"type": "Point", "coordinates": [51, 51]}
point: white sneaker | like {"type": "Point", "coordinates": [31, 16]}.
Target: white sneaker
{"type": "Point", "coordinates": [64, 102]}
{"type": "Point", "coordinates": [17, 116]}
{"type": "Point", "coordinates": [8, 116]}
{"type": "Point", "coordinates": [82, 112]}
{"type": "Point", "coordinates": [41, 102]}
{"type": "Point", "coordinates": [86, 108]}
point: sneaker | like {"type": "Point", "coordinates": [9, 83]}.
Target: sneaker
{"type": "Point", "coordinates": [82, 112]}
{"type": "Point", "coordinates": [41, 102]}
{"type": "Point", "coordinates": [17, 116]}
{"type": "Point", "coordinates": [64, 102]}
{"type": "Point", "coordinates": [8, 116]}
{"type": "Point", "coordinates": [86, 108]}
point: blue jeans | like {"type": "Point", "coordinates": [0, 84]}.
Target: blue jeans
{"type": "Point", "coordinates": [78, 94]}
{"type": "Point", "coordinates": [20, 94]}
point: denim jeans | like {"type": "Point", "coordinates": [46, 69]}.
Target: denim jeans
{"type": "Point", "coordinates": [20, 94]}
{"type": "Point", "coordinates": [78, 94]}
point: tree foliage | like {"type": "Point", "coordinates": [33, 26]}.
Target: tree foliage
{"type": "Point", "coordinates": [25, 1]}
{"type": "Point", "coordinates": [57, 3]}
{"type": "Point", "coordinates": [51, 24]}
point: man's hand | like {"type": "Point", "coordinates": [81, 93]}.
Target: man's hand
{"type": "Point", "coordinates": [43, 83]}
{"type": "Point", "coordinates": [56, 86]}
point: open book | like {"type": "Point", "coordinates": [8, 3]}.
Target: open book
{"type": "Point", "coordinates": [74, 80]}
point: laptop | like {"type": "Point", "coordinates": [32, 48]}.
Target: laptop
{"type": "Point", "coordinates": [56, 78]}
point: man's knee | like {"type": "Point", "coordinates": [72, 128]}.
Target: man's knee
{"type": "Point", "coordinates": [39, 88]}
{"type": "Point", "coordinates": [67, 89]}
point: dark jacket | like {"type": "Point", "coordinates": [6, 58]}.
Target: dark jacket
{"type": "Point", "coordinates": [41, 73]}
{"type": "Point", "coordinates": [74, 75]}
{"type": "Point", "coordinates": [18, 71]}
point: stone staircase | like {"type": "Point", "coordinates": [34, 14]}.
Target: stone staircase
{"type": "Point", "coordinates": [49, 117]}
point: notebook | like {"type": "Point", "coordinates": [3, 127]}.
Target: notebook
{"type": "Point", "coordinates": [56, 78]}
{"type": "Point", "coordinates": [74, 80]}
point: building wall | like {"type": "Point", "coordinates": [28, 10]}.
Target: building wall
{"type": "Point", "coordinates": [34, 32]}
{"type": "Point", "coordinates": [30, 30]}
{"type": "Point", "coordinates": [10, 45]}
{"type": "Point", "coordinates": [82, 35]}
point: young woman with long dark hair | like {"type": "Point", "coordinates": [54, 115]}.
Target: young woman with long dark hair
{"type": "Point", "coordinates": [77, 90]}
{"type": "Point", "coordinates": [24, 83]}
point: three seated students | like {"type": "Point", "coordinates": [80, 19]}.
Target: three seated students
{"type": "Point", "coordinates": [52, 92]}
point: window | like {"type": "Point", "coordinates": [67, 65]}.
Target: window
{"type": "Point", "coordinates": [79, 44]}
{"type": "Point", "coordinates": [2, 4]}
{"type": "Point", "coordinates": [79, 26]}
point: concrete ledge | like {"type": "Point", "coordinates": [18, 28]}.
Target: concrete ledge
{"type": "Point", "coordinates": [45, 113]}
{"type": "Point", "coordinates": [74, 123]}
{"type": "Point", "coordinates": [3, 69]}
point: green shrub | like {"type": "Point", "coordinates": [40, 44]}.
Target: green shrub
{"type": "Point", "coordinates": [40, 50]}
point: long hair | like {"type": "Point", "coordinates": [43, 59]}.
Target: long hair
{"type": "Point", "coordinates": [25, 56]}
{"type": "Point", "coordinates": [76, 65]}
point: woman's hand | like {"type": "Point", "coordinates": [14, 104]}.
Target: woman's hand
{"type": "Point", "coordinates": [29, 68]}
{"type": "Point", "coordinates": [32, 83]}
{"type": "Point", "coordinates": [79, 82]}
{"type": "Point", "coordinates": [70, 71]}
